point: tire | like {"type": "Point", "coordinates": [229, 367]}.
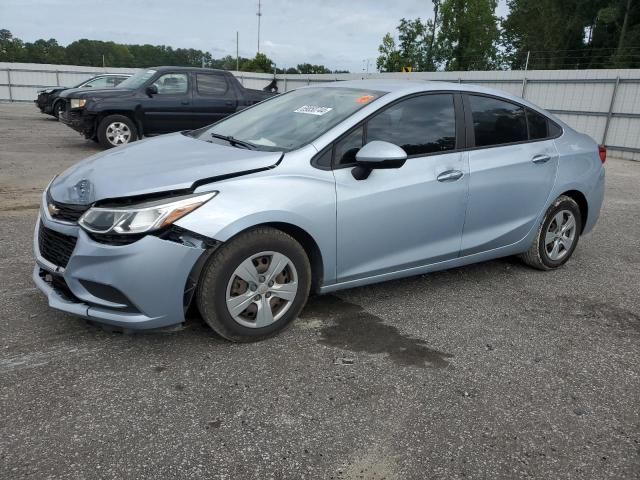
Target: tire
{"type": "Point", "coordinates": [57, 109]}
{"type": "Point", "coordinates": [220, 283]}
{"type": "Point", "coordinates": [550, 237]}
{"type": "Point", "coordinates": [116, 130]}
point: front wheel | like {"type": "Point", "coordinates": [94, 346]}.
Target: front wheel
{"type": "Point", "coordinates": [557, 235]}
{"type": "Point", "coordinates": [116, 130]}
{"type": "Point", "coordinates": [58, 109]}
{"type": "Point", "coordinates": [254, 285]}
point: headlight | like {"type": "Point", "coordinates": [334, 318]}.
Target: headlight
{"type": "Point", "coordinates": [141, 218]}
{"type": "Point", "coordinates": [78, 102]}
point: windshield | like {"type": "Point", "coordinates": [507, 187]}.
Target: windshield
{"type": "Point", "coordinates": [138, 79]}
{"type": "Point", "coordinates": [291, 120]}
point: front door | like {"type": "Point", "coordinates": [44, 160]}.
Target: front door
{"type": "Point", "coordinates": [170, 109]}
{"type": "Point", "coordinates": [402, 218]}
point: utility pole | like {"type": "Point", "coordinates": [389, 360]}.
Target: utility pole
{"type": "Point", "coordinates": [237, 49]}
{"type": "Point", "coordinates": [259, 14]}
{"type": "Point", "coordinates": [623, 31]}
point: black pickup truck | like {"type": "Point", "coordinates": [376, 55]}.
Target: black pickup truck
{"type": "Point", "coordinates": [157, 100]}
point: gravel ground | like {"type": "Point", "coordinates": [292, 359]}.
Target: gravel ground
{"type": "Point", "coordinates": [488, 371]}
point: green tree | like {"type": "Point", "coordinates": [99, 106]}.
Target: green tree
{"type": "Point", "coordinates": [308, 68]}
{"type": "Point", "coordinates": [11, 49]}
{"type": "Point", "coordinates": [468, 35]}
{"type": "Point", "coordinates": [389, 59]}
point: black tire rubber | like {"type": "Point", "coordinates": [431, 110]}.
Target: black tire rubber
{"type": "Point", "coordinates": [102, 129]}
{"type": "Point", "coordinates": [536, 256]}
{"type": "Point", "coordinates": [57, 108]}
{"type": "Point", "coordinates": [211, 291]}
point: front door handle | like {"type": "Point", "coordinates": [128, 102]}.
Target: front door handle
{"type": "Point", "coordinates": [450, 176]}
{"type": "Point", "coordinates": [541, 158]}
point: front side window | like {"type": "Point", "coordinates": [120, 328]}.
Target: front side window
{"type": "Point", "coordinates": [172, 84]}
{"type": "Point", "coordinates": [288, 121]}
{"type": "Point", "coordinates": [102, 82]}
{"type": "Point", "coordinates": [420, 125]}
{"type": "Point", "coordinates": [138, 79]}
{"type": "Point", "coordinates": [496, 122]}
{"type": "Point", "coordinates": [211, 84]}
{"type": "Point", "coordinates": [347, 147]}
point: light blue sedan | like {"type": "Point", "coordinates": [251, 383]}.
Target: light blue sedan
{"type": "Point", "coordinates": [319, 189]}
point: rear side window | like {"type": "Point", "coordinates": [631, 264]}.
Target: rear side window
{"type": "Point", "coordinates": [496, 122]}
{"type": "Point", "coordinates": [420, 125]}
{"type": "Point", "coordinates": [537, 125]}
{"type": "Point", "coordinates": [211, 84]}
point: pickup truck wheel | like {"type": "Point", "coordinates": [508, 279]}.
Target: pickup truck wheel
{"type": "Point", "coordinates": [116, 130]}
{"type": "Point", "coordinates": [58, 108]}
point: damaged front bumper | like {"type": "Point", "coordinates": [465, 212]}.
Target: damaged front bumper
{"type": "Point", "coordinates": [146, 284]}
{"type": "Point", "coordinates": [79, 121]}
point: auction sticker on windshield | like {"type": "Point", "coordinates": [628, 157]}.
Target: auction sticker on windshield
{"type": "Point", "coordinates": [313, 110]}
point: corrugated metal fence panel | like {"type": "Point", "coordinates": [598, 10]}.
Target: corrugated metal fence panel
{"type": "Point", "coordinates": [624, 132]}
{"type": "Point", "coordinates": [627, 98]}
{"type": "Point", "coordinates": [581, 98]}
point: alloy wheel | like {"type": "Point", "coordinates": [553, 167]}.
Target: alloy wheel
{"type": "Point", "coordinates": [118, 133]}
{"type": "Point", "coordinates": [261, 289]}
{"type": "Point", "coordinates": [560, 235]}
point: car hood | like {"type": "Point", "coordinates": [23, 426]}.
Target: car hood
{"type": "Point", "coordinates": [162, 164]}
{"type": "Point", "coordinates": [95, 92]}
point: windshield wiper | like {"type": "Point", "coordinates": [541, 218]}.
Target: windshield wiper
{"type": "Point", "coordinates": [234, 141]}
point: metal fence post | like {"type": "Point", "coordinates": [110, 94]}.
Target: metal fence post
{"type": "Point", "coordinates": [610, 112]}
{"type": "Point", "coordinates": [9, 82]}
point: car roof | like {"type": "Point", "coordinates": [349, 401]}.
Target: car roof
{"type": "Point", "coordinates": [186, 69]}
{"type": "Point", "coordinates": [403, 86]}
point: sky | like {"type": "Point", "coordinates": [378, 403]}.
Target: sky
{"type": "Point", "coordinates": [338, 34]}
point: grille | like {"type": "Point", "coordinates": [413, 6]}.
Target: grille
{"type": "Point", "coordinates": [55, 247]}
{"type": "Point", "coordinates": [67, 212]}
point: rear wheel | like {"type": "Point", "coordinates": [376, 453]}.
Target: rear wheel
{"type": "Point", "coordinates": [116, 130]}
{"type": "Point", "coordinates": [254, 285]}
{"type": "Point", "coordinates": [557, 235]}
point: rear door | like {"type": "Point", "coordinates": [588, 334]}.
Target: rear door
{"type": "Point", "coordinates": [512, 163]}
{"type": "Point", "coordinates": [213, 98]}
{"type": "Point", "coordinates": [170, 109]}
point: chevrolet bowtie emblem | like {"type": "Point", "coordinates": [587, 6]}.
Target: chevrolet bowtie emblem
{"type": "Point", "coordinates": [53, 210]}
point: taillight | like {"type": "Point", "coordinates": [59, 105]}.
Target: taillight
{"type": "Point", "coordinates": [602, 152]}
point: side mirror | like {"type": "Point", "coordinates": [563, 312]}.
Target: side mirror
{"type": "Point", "coordinates": [377, 154]}
{"type": "Point", "coordinates": [152, 90]}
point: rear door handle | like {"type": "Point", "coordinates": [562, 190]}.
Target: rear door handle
{"type": "Point", "coordinates": [541, 158]}
{"type": "Point", "coordinates": [450, 176]}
